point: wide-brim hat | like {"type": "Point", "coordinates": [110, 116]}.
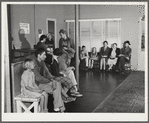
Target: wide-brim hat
{"type": "Point", "coordinates": [127, 42]}
{"type": "Point", "coordinates": [58, 52]}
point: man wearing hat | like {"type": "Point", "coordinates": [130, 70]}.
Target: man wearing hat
{"type": "Point", "coordinates": [125, 55]}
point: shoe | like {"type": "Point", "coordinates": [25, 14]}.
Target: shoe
{"type": "Point", "coordinates": [74, 92]}
{"type": "Point", "coordinates": [77, 95]}
{"type": "Point", "coordinates": [122, 73]}
{"type": "Point", "coordinates": [117, 71]}
{"type": "Point", "coordinates": [86, 68]}
{"type": "Point", "coordinates": [57, 110]}
{"type": "Point", "coordinates": [69, 99]}
{"type": "Point", "coordinates": [101, 70]}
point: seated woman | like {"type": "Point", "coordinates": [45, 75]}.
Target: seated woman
{"type": "Point", "coordinates": [84, 56]}
{"type": "Point", "coordinates": [104, 51]}
{"type": "Point", "coordinates": [49, 41]}
{"type": "Point", "coordinates": [124, 56]}
{"type": "Point", "coordinates": [41, 43]}
{"type": "Point", "coordinates": [113, 56]}
{"type": "Point", "coordinates": [93, 57]}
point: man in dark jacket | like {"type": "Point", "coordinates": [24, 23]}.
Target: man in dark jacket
{"type": "Point", "coordinates": [46, 81]}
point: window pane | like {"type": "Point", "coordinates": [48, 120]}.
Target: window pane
{"type": "Point", "coordinates": [85, 28]}
{"type": "Point", "coordinates": [85, 34]}
{"type": "Point", "coordinates": [97, 34]}
{"type": "Point", "coordinates": [113, 32]}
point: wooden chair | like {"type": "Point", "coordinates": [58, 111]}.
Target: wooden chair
{"type": "Point", "coordinates": [82, 64]}
{"type": "Point", "coordinates": [128, 64]}
{"type": "Point", "coordinates": [96, 62]}
{"type": "Point", "coordinates": [20, 103]}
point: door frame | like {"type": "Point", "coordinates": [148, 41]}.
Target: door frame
{"type": "Point", "coordinates": [55, 29]}
{"type": "Point", "coordinates": [141, 53]}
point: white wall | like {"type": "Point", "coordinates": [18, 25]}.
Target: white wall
{"type": "Point", "coordinates": [36, 17]}
{"type": "Point", "coordinates": [22, 14]}
{"type": "Point", "coordinates": [129, 24]}
{"type": "Point", "coordinates": [49, 11]}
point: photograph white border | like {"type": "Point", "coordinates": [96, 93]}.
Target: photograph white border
{"type": "Point", "coordinates": [74, 116]}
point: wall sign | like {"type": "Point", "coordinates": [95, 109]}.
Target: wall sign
{"type": "Point", "coordinates": [25, 27]}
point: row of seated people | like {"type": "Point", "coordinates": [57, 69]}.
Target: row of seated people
{"type": "Point", "coordinates": [48, 71]}
{"type": "Point", "coordinates": [108, 58]}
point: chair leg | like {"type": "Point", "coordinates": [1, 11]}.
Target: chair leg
{"type": "Point", "coordinates": [36, 107]}
{"type": "Point", "coordinates": [19, 108]}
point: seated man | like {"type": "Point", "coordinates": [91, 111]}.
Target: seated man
{"type": "Point", "coordinates": [54, 70]}
{"type": "Point", "coordinates": [124, 56]}
{"type": "Point", "coordinates": [64, 70]}
{"type": "Point", "coordinates": [46, 81]}
{"type": "Point", "coordinates": [84, 56]}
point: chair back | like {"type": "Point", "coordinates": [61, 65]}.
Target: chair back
{"type": "Point", "coordinates": [16, 72]}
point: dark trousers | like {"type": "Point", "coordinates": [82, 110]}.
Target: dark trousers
{"type": "Point", "coordinates": [121, 63]}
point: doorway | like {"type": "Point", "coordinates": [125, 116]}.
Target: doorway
{"type": "Point", "coordinates": [51, 28]}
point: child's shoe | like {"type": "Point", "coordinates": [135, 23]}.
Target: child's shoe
{"type": "Point", "coordinates": [76, 94]}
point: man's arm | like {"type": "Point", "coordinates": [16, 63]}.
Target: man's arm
{"type": "Point", "coordinates": [46, 73]}
{"type": "Point", "coordinates": [38, 77]}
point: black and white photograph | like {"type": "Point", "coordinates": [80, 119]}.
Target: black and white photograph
{"type": "Point", "coordinates": [74, 61]}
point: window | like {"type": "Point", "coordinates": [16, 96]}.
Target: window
{"type": "Point", "coordinates": [94, 32]}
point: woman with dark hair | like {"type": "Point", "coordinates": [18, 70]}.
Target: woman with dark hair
{"type": "Point", "coordinates": [113, 56]}
{"type": "Point", "coordinates": [104, 51]}
{"type": "Point", "coordinates": [124, 56]}
{"type": "Point", "coordinates": [41, 43]}
{"type": "Point", "coordinates": [49, 41]}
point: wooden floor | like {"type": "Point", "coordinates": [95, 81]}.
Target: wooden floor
{"type": "Point", "coordinates": [127, 98]}
{"type": "Point", "coordinates": [95, 87]}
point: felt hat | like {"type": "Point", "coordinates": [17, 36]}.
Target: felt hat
{"type": "Point", "coordinates": [127, 42]}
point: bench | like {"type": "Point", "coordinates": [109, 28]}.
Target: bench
{"type": "Point", "coordinates": [20, 103]}
{"type": "Point", "coordinates": [95, 65]}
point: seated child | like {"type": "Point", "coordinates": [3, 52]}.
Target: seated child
{"type": "Point", "coordinates": [29, 87]}
{"type": "Point", "coordinates": [93, 57]}
{"type": "Point", "coordinates": [84, 55]}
